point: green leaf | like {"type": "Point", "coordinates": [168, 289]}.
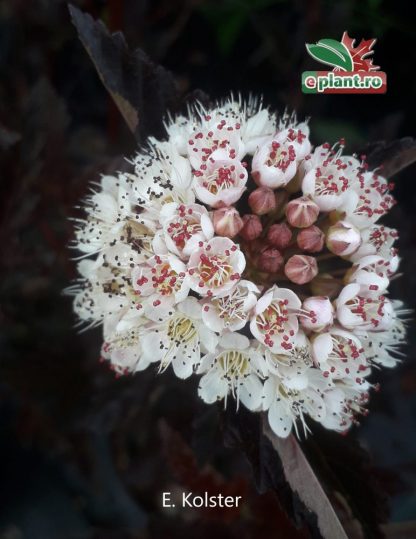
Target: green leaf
{"type": "Point", "coordinates": [333, 130]}
{"type": "Point", "coordinates": [331, 52]}
{"type": "Point", "coordinates": [229, 30]}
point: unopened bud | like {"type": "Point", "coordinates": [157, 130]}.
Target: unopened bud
{"type": "Point", "coordinates": [311, 239]}
{"type": "Point", "coordinates": [301, 269]}
{"type": "Point", "coordinates": [262, 200]}
{"type": "Point", "coordinates": [320, 313]}
{"type": "Point", "coordinates": [302, 212]}
{"type": "Point", "coordinates": [279, 235]}
{"type": "Point", "coordinates": [343, 238]}
{"type": "Point", "coordinates": [270, 260]}
{"type": "Point", "coordinates": [252, 227]}
{"type": "Point", "coordinates": [227, 222]}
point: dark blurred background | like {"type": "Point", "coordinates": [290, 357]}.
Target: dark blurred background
{"type": "Point", "coordinates": [85, 455]}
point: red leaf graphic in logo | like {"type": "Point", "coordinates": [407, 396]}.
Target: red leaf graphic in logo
{"type": "Point", "coordinates": [360, 53]}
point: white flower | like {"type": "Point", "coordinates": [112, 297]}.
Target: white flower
{"type": "Point", "coordinates": [179, 130]}
{"type": "Point", "coordinates": [215, 267]}
{"type": "Point", "coordinates": [104, 296]}
{"type": "Point", "coordinates": [357, 310]}
{"type": "Point", "coordinates": [298, 136]}
{"type": "Point", "coordinates": [340, 354]}
{"type": "Point", "coordinates": [274, 162]}
{"type": "Point", "coordinates": [291, 364]}
{"type": "Point", "coordinates": [107, 212]}
{"type": "Point", "coordinates": [184, 227]}
{"type": "Point", "coordinates": [367, 200]}
{"type": "Point", "coordinates": [124, 351]}
{"type": "Point", "coordinates": [255, 122]}
{"type": "Point", "coordinates": [343, 401]}
{"type": "Point", "coordinates": [275, 321]}
{"type": "Point", "coordinates": [215, 135]}
{"type": "Point", "coordinates": [220, 181]}
{"type": "Point", "coordinates": [231, 310]}
{"type": "Point", "coordinates": [285, 405]}
{"type": "Point", "coordinates": [159, 285]}
{"type": "Point", "coordinates": [256, 129]}
{"type": "Point", "coordinates": [384, 347]}
{"type": "Point", "coordinates": [179, 340]}
{"type": "Point", "coordinates": [376, 240]}
{"type": "Point", "coordinates": [160, 176]}
{"type": "Point", "coordinates": [371, 272]}
{"type": "Point", "coordinates": [327, 181]}
{"type": "Point", "coordinates": [236, 368]}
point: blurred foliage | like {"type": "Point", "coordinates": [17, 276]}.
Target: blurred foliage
{"type": "Point", "coordinates": [229, 18]}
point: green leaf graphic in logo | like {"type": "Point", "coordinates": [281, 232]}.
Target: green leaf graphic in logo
{"type": "Point", "coordinates": [331, 52]}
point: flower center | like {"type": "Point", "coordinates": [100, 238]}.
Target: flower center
{"type": "Point", "coordinates": [380, 236]}
{"type": "Point", "coordinates": [124, 340]}
{"type": "Point", "coordinates": [280, 156]}
{"type": "Point", "coordinates": [222, 178]}
{"type": "Point", "coordinates": [214, 270]}
{"type": "Point", "coordinates": [345, 349]}
{"type": "Point", "coordinates": [181, 330]}
{"type": "Point", "coordinates": [164, 279]}
{"type": "Point", "coordinates": [231, 308]}
{"type": "Point", "coordinates": [273, 320]}
{"type": "Point", "coordinates": [234, 363]}
{"type": "Point", "coordinates": [138, 236]}
{"type": "Point", "coordinates": [368, 309]}
{"type": "Point", "coordinates": [183, 227]}
{"type": "Point", "coordinates": [329, 180]}
{"type": "Point", "coordinates": [287, 393]}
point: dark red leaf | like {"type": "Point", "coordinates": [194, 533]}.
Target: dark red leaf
{"type": "Point", "coordinates": [303, 480]}
{"type": "Point", "coordinates": [141, 89]}
{"type": "Point", "coordinates": [392, 157]}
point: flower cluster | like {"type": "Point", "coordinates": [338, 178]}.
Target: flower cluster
{"type": "Point", "coordinates": [236, 251]}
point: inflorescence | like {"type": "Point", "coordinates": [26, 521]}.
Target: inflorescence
{"type": "Point", "coordinates": [238, 252]}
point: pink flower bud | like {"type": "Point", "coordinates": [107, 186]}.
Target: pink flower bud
{"type": "Point", "coordinates": [311, 239]}
{"type": "Point", "coordinates": [252, 227]}
{"type": "Point", "coordinates": [227, 222]}
{"type": "Point", "coordinates": [320, 313]}
{"type": "Point", "coordinates": [262, 200]}
{"type": "Point", "coordinates": [270, 260]}
{"type": "Point", "coordinates": [343, 238]}
{"type": "Point", "coordinates": [279, 235]}
{"type": "Point", "coordinates": [302, 212]}
{"type": "Point", "coordinates": [301, 269]}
